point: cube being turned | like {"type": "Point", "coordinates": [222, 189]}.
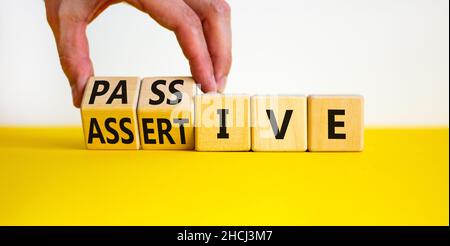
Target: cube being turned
{"type": "Point", "coordinates": [335, 123]}
{"type": "Point", "coordinates": [108, 112]}
{"type": "Point", "coordinates": [166, 113]}
{"type": "Point", "coordinates": [279, 123]}
{"type": "Point", "coordinates": [222, 122]}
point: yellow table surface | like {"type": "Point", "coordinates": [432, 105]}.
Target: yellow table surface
{"type": "Point", "coordinates": [48, 178]}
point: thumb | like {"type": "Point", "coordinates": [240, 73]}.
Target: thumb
{"type": "Point", "coordinates": [73, 49]}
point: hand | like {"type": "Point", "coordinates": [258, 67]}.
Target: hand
{"type": "Point", "coordinates": [202, 28]}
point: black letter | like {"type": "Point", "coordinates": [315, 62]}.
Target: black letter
{"type": "Point", "coordinates": [157, 92]}
{"type": "Point", "coordinates": [113, 131]}
{"type": "Point", "coordinates": [166, 131]}
{"type": "Point", "coordinates": [223, 128]}
{"type": "Point", "coordinates": [94, 124]}
{"type": "Point", "coordinates": [146, 131]}
{"type": "Point", "coordinates": [176, 92]}
{"type": "Point", "coordinates": [181, 122]}
{"type": "Point", "coordinates": [122, 85]}
{"type": "Point", "coordinates": [95, 91]}
{"type": "Point", "coordinates": [126, 131]}
{"type": "Point", "coordinates": [332, 124]}
{"type": "Point", "coordinates": [279, 133]}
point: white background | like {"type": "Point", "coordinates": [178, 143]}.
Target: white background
{"type": "Point", "coordinates": [394, 52]}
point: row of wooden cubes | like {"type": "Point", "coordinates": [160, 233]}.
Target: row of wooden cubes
{"type": "Point", "coordinates": [165, 113]}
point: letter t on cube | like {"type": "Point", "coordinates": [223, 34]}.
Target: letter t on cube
{"type": "Point", "coordinates": [166, 113]}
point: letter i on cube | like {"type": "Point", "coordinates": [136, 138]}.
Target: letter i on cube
{"type": "Point", "coordinates": [222, 122]}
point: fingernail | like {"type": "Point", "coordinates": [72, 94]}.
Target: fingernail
{"type": "Point", "coordinates": [221, 84]}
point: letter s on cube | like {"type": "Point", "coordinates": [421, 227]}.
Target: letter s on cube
{"type": "Point", "coordinates": [166, 113]}
{"type": "Point", "coordinates": [108, 112]}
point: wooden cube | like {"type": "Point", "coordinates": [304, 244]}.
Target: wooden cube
{"type": "Point", "coordinates": [222, 122]}
{"type": "Point", "coordinates": [279, 123]}
{"type": "Point", "coordinates": [165, 113]}
{"type": "Point", "coordinates": [108, 112]}
{"type": "Point", "coordinates": [335, 123]}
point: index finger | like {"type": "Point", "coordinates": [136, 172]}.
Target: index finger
{"type": "Point", "coordinates": [216, 19]}
{"type": "Point", "coordinates": [177, 16]}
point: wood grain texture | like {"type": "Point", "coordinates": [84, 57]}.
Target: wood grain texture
{"type": "Point", "coordinates": [335, 123]}
{"type": "Point", "coordinates": [108, 111]}
{"type": "Point", "coordinates": [286, 131]}
{"type": "Point", "coordinates": [166, 113]}
{"type": "Point", "coordinates": [211, 111]}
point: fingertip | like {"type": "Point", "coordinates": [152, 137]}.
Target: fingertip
{"type": "Point", "coordinates": [208, 87]}
{"type": "Point", "coordinates": [75, 98]}
{"type": "Point", "coordinates": [78, 91]}
{"type": "Point", "coordinates": [221, 84]}
{"type": "Point", "coordinates": [204, 78]}
{"type": "Point", "coordinates": [76, 103]}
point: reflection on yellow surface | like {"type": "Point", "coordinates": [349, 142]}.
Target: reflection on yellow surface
{"type": "Point", "coordinates": [48, 178]}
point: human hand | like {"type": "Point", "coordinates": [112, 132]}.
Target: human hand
{"type": "Point", "coordinates": [202, 28]}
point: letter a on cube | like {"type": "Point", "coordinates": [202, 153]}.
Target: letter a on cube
{"type": "Point", "coordinates": [222, 122]}
{"type": "Point", "coordinates": [108, 112]}
{"type": "Point", "coordinates": [335, 123]}
{"type": "Point", "coordinates": [279, 123]}
{"type": "Point", "coordinates": [166, 113]}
